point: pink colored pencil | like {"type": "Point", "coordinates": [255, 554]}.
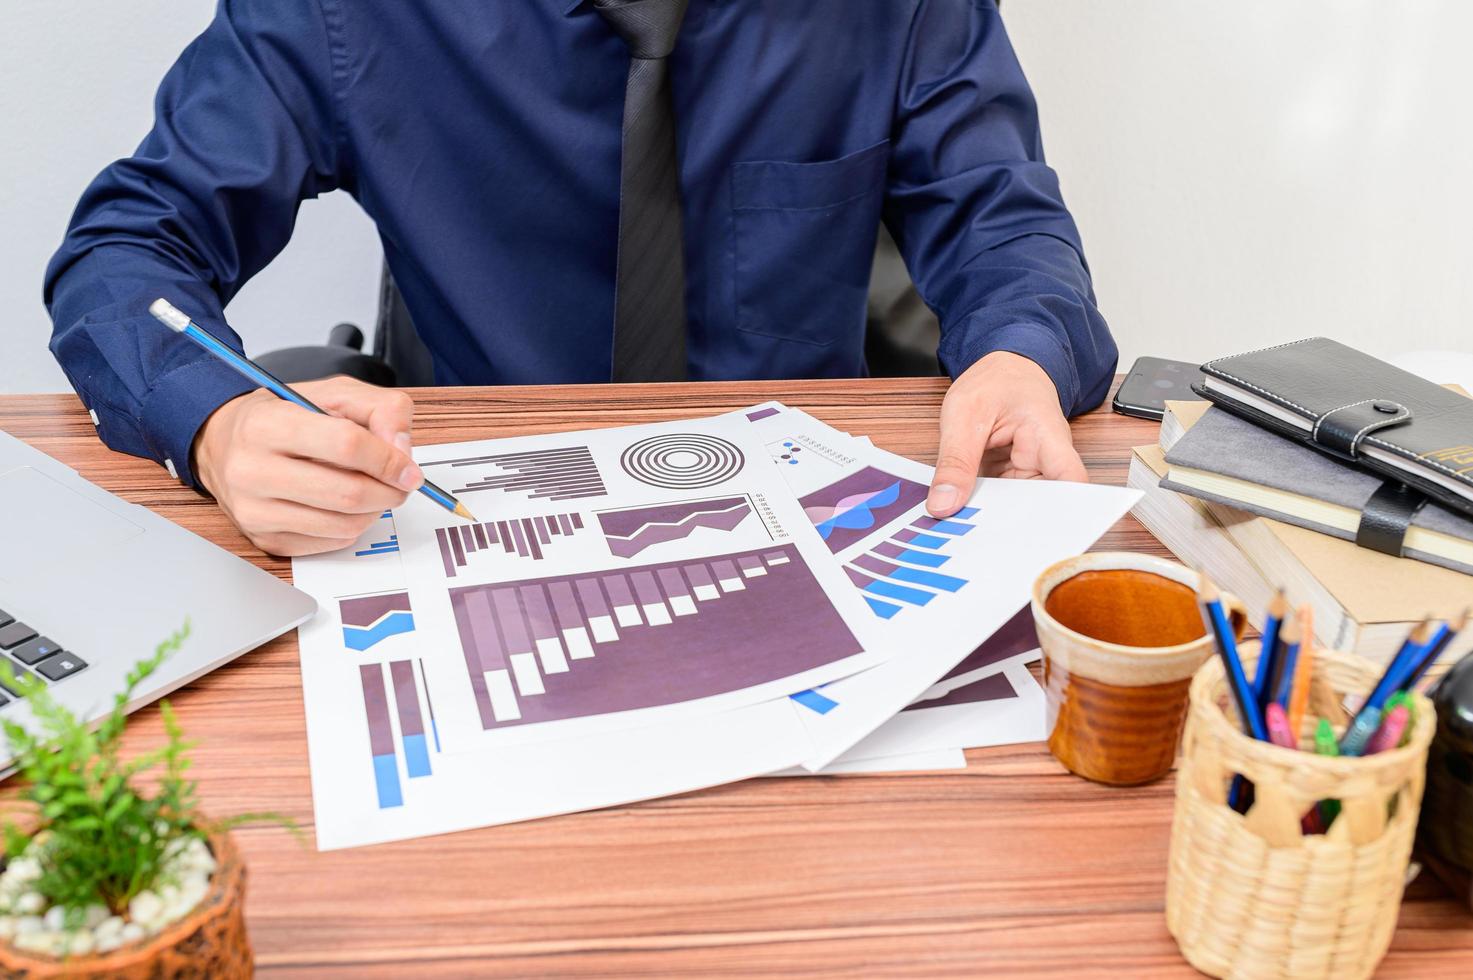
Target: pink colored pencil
{"type": "Point", "coordinates": [1279, 731]}
{"type": "Point", "coordinates": [1388, 736]}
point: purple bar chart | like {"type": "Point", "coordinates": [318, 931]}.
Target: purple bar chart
{"type": "Point", "coordinates": [552, 474]}
{"type": "Point", "coordinates": [525, 537]}
{"type": "Point", "coordinates": [381, 736]}
{"type": "Point", "coordinates": [909, 569]}
{"type": "Point", "coordinates": [576, 646]}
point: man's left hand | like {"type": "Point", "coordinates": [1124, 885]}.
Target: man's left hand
{"type": "Point", "coordinates": [1003, 410]}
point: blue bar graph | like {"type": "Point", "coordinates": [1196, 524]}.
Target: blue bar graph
{"type": "Point", "coordinates": [954, 528]}
{"type": "Point", "coordinates": [814, 701]}
{"type": "Point", "coordinates": [884, 610]}
{"type": "Point", "coordinates": [416, 756]}
{"type": "Point", "coordinates": [932, 580]}
{"type": "Point", "coordinates": [892, 591]}
{"type": "Point", "coordinates": [926, 541]}
{"type": "Point", "coordinates": [386, 777]}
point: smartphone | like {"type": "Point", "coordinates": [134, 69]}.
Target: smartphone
{"type": "Point", "coordinates": [1151, 383]}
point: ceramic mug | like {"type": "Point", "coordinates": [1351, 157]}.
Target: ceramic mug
{"type": "Point", "coordinates": [1122, 635]}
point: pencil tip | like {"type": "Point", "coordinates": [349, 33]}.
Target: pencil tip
{"type": "Point", "coordinates": [463, 511]}
{"type": "Point", "coordinates": [1279, 604]}
{"type": "Point", "coordinates": [1206, 588]}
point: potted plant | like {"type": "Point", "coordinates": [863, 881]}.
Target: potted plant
{"type": "Point", "coordinates": [102, 878]}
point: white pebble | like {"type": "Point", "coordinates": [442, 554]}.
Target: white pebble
{"type": "Point", "coordinates": [31, 903]}
{"type": "Point", "coordinates": [132, 932]}
{"type": "Point", "coordinates": [80, 943]}
{"type": "Point", "coordinates": [55, 918]}
{"type": "Point", "coordinates": [30, 923]}
{"type": "Point", "coordinates": [23, 869]}
{"type": "Point", "coordinates": [96, 915]}
{"type": "Point", "coordinates": [145, 906]}
{"type": "Point", "coordinates": [112, 926]}
{"type": "Point", "coordinates": [7, 926]}
{"type": "Point", "coordinates": [40, 942]}
{"type": "Point", "coordinates": [109, 944]}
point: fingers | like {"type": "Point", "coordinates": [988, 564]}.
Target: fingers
{"type": "Point", "coordinates": [328, 488]}
{"type": "Point", "coordinates": [966, 425]}
{"type": "Point", "coordinates": [266, 516]}
{"type": "Point", "coordinates": [386, 412]}
{"type": "Point", "coordinates": [339, 442]}
{"type": "Point", "coordinates": [1057, 457]}
{"type": "Point", "coordinates": [287, 545]}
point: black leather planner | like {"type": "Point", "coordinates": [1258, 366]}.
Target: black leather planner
{"type": "Point", "coordinates": [1357, 408]}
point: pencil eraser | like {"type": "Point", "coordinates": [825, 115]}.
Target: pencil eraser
{"type": "Point", "coordinates": [168, 314]}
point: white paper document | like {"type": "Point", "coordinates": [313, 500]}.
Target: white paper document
{"type": "Point", "coordinates": [635, 602]}
{"type": "Point", "coordinates": [939, 587]}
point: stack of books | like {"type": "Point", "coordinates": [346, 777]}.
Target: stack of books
{"type": "Point", "coordinates": [1204, 499]}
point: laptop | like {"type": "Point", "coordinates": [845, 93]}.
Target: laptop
{"type": "Point", "coordinates": [90, 584]}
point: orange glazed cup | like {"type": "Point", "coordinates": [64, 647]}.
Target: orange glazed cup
{"type": "Point", "coordinates": [1122, 635]}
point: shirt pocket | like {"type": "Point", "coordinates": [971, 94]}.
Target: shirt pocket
{"type": "Point", "coordinates": [803, 240]}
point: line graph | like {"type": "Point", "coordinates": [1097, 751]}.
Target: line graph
{"type": "Point", "coordinates": [370, 619]}
{"type": "Point", "coordinates": [552, 474]}
{"type": "Point", "coordinates": [628, 532]}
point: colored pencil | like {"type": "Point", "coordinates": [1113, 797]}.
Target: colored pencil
{"type": "Point", "coordinates": [1268, 650]}
{"type": "Point", "coordinates": [1368, 718]}
{"type": "Point", "coordinates": [1388, 736]}
{"type": "Point", "coordinates": [1288, 666]}
{"type": "Point", "coordinates": [1279, 731]}
{"type": "Point", "coordinates": [1444, 637]}
{"type": "Point", "coordinates": [1227, 648]}
{"type": "Point", "coordinates": [179, 322]}
{"type": "Point", "coordinates": [1303, 670]}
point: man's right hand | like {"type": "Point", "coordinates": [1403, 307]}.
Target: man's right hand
{"type": "Point", "coordinates": [298, 483]}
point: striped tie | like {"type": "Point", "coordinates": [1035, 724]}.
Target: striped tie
{"type": "Point", "coordinates": [649, 298]}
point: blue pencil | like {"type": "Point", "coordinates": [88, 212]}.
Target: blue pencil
{"type": "Point", "coordinates": [1444, 637]}
{"type": "Point", "coordinates": [1227, 648]}
{"type": "Point", "coordinates": [179, 322]}
{"type": "Point", "coordinates": [1268, 651]}
{"type": "Point", "coordinates": [1366, 720]}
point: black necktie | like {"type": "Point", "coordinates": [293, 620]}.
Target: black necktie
{"type": "Point", "coordinates": [649, 298]}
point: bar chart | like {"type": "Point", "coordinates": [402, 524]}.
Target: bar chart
{"type": "Point", "coordinates": [907, 569]}
{"type": "Point", "coordinates": [390, 543]}
{"type": "Point", "coordinates": [628, 532]}
{"type": "Point", "coordinates": [412, 741]}
{"type": "Point", "coordinates": [845, 512]}
{"type": "Point", "coordinates": [576, 646]}
{"type": "Point", "coordinates": [525, 537]}
{"type": "Point", "coordinates": [553, 474]}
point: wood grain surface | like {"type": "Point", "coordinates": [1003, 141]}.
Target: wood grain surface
{"type": "Point", "coordinates": [1011, 866]}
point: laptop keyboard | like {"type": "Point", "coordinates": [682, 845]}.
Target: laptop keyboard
{"type": "Point", "coordinates": [28, 654]}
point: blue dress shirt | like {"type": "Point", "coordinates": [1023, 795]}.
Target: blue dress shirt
{"type": "Point", "coordinates": [483, 138]}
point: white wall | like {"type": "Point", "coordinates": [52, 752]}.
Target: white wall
{"type": "Point", "coordinates": [1242, 172]}
{"type": "Point", "coordinates": [77, 79]}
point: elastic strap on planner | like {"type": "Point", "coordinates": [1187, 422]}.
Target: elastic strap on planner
{"type": "Point", "coordinates": [1386, 517]}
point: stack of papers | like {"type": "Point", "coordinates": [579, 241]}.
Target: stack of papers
{"type": "Point", "coordinates": [655, 609]}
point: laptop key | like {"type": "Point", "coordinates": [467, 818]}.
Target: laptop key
{"type": "Point", "coordinates": [5, 618]}
{"type": "Point", "coordinates": [61, 665]}
{"type": "Point", "coordinates": [20, 674]}
{"type": "Point", "coordinates": [34, 651]}
{"type": "Point", "coordinates": [14, 635]}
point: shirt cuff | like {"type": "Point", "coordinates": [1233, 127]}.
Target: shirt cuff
{"type": "Point", "coordinates": [1031, 340]}
{"type": "Point", "coordinates": [177, 406]}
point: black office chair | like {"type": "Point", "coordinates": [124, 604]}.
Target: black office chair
{"type": "Point", "coordinates": [900, 338]}
{"type": "Point", "coordinates": [398, 359]}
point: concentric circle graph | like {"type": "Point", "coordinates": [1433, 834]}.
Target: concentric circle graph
{"type": "Point", "coordinates": [682, 461]}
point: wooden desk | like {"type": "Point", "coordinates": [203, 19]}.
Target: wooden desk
{"type": "Point", "coordinates": [1011, 866]}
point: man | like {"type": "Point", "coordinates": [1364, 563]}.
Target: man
{"type": "Point", "coordinates": [580, 191]}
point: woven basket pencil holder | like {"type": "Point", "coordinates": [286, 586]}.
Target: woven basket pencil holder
{"type": "Point", "coordinates": [1250, 895]}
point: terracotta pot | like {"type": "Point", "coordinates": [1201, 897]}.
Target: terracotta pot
{"type": "Point", "coordinates": [209, 942]}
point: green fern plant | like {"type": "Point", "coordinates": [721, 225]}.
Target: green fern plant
{"type": "Point", "coordinates": [100, 840]}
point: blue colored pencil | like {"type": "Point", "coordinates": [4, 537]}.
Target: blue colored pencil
{"type": "Point", "coordinates": [1366, 720]}
{"type": "Point", "coordinates": [1444, 637]}
{"type": "Point", "coordinates": [1227, 648]}
{"type": "Point", "coordinates": [179, 322]}
{"type": "Point", "coordinates": [1268, 650]}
